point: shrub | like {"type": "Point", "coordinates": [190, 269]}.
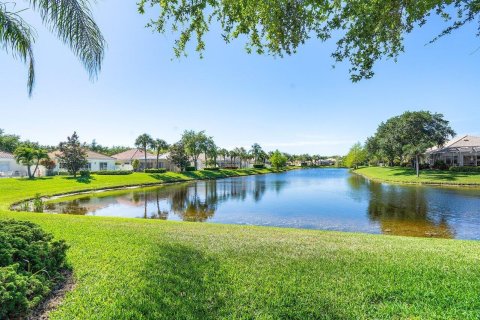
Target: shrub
{"type": "Point", "coordinates": [259, 166]}
{"type": "Point", "coordinates": [159, 170]}
{"type": "Point", "coordinates": [30, 264]}
{"type": "Point", "coordinates": [190, 168]}
{"type": "Point", "coordinates": [465, 169]}
{"type": "Point", "coordinates": [85, 173]}
{"type": "Point", "coordinates": [113, 173]}
{"type": "Point", "coordinates": [212, 169]}
{"type": "Point", "coordinates": [231, 167]}
{"type": "Point", "coordinates": [38, 204]}
{"type": "Point", "coordinates": [440, 165]}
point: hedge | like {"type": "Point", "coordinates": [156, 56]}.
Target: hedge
{"type": "Point", "coordinates": [113, 173]}
{"type": "Point", "coordinates": [230, 167]}
{"type": "Point", "coordinates": [259, 166]}
{"type": "Point", "coordinates": [159, 170]}
{"type": "Point", "coordinates": [465, 169]}
{"type": "Point", "coordinates": [30, 265]}
{"type": "Point", "coordinates": [190, 168]}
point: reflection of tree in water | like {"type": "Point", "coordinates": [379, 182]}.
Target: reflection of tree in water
{"type": "Point", "coordinates": [75, 207]}
{"type": "Point", "coordinates": [404, 211]}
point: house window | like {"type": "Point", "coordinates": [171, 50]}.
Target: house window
{"type": "Point", "coordinates": [103, 166]}
{"type": "Point", "coordinates": [88, 167]}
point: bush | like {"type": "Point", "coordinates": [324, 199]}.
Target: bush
{"type": "Point", "coordinates": [212, 169]}
{"type": "Point", "coordinates": [259, 166]}
{"type": "Point", "coordinates": [159, 170]}
{"type": "Point", "coordinates": [30, 264]}
{"type": "Point", "coordinates": [190, 168]}
{"type": "Point", "coordinates": [85, 173]}
{"type": "Point", "coordinates": [231, 167]}
{"type": "Point", "coordinates": [440, 165]}
{"type": "Point", "coordinates": [465, 169]}
{"type": "Point", "coordinates": [113, 173]}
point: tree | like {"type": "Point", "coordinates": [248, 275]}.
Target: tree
{"type": "Point", "coordinates": [224, 154]}
{"type": "Point", "coordinates": [70, 20]}
{"type": "Point", "coordinates": [356, 156]}
{"type": "Point", "coordinates": [144, 142]}
{"type": "Point", "coordinates": [278, 160]}
{"type": "Point", "coordinates": [49, 165]}
{"type": "Point", "coordinates": [178, 156]}
{"type": "Point", "coordinates": [72, 155]}
{"type": "Point", "coordinates": [195, 144]}
{"type": "Point", "coordinates": [160, 146]}
{"type": "Point", "coordinates": [8, 142]}
{"type": "Point", "coordinates": [211, 152]}
{"type": "Point", "coordinates": [422, 130]}
{"type": "Point", "coordinates": [135, 164]}
{"type": "Point", "coordinates": [366, 31]}
{"type": "Point", "coordinates": [28, 157]}
{"type": "Point", "coordinates": [256, 151]}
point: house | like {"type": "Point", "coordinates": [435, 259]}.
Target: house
{"type": "Point", "coordinates": [125, 159]}
{"type": "Point", "coordinates": [96, 162]}
{"type": "Point", "coordinates": [9, 166]}
{"type": "Point", "coordinates": [463, 151]}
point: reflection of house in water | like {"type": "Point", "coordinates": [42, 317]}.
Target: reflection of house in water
{"type": "Point", "coordinates": [403, 211]}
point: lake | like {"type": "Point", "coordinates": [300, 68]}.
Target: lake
{"type": "Point", "coordinates": [326, 199]}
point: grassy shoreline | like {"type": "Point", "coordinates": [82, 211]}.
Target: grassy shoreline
{"type": "Point", "coordinates": [149, 269]}
{"type": "Point", "coordinates": [399, 175]}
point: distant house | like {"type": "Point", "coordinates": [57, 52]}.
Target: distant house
{"type": "Point", "coordinates": [125, 159]}
{"type": "Point", "coordinates": [96, 162]}
{"type": "Point", "coordinates": [9, 167]}
{"type": "Point", "coordinates": [463, 151]}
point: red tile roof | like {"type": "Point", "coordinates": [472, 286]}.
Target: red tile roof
{"type": "Point", "coordinates": [6, 155]}
{"type": "Point", "coordinates": [133, 154]}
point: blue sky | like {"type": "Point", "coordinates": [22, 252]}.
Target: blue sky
{"type": "Point", "coordinates": [297, 104]}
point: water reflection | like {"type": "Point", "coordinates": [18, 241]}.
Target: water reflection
{"type": "Point", "coordinates": [330, 199]}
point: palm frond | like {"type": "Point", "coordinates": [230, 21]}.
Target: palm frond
{"type": "Point", "coordinates": [72, 21]}
{"type": "Point", "coordinates": [17, 37]}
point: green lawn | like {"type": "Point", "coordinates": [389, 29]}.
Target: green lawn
{"type": "Point", "coordinates": [407, 175]}
{"type": "Point", "coordinates": [150, 269]}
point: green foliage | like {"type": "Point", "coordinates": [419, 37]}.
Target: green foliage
{"type": "Point", "coordinates": [364, 31]}
{"type": "Point", "coordinates": [135, 164]}
{"type": "Point", "coordinates": [109, 151]}
{"type": "Point", "coordinates": [356, 156]}
{"type": "Point", "coordinates": [212, 169]}
{"type": "Point", "coordinates": [70, 20]}
{"type": "Point", "coordinates": [29, 156]}
{"type": "Point", "coordinates": [190, 168]}
{"type": "Point", "coordinates": [159, 170]}
{"type": "Point", "coordinates": [72, 155]}
{"type": "Point", "coordinates": [195, 143]}
{"type": "Point", "coordinates": [8, 142]}
{"type": "Point", "coordinates": [259, 166]}
{"type": "Point", "coordinates": [38, 204]}
{"type": "Point", "coordinates": [160, 146]}
{"type": "Point", "coordinates": [30, 264]}
{"type": "Point", "coordinates": [113, 173]}
{"type": "Point", "coordinates": [178, 156]}
{"type": "Point", "coordinates": [278, 160]}
{"type": "Point", "coordinates": [85, 173]}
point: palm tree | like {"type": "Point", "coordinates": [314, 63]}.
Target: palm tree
{"type": "Point", "coordinates": [224, 154]}
{"type": "Point", "coordinates": [143, 142]}
{"type": "Point", "coordinates": [160, 146]}
{"type": "Point", "coordinates": [256, 151]}
{"type": "Point", "coordinates": [70, 20]}
{"type": "Point", "coordinates": [29, 156]}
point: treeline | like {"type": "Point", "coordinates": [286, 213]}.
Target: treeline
{"type": "Point", "coordinates": [402, 140]}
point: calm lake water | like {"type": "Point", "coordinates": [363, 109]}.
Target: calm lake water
{"type": "Point", "coordinates": [327, 199]}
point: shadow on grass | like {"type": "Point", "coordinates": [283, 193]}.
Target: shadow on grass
{"type": "Point", "coordinates": [431, 174]}
{"type": "Point", "coordinates": [85, 180]}
{"type": "Point", "coordinates": [179, 282]}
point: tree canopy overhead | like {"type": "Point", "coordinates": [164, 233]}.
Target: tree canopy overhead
{"type": "Point", "coordinates": [367, 31]}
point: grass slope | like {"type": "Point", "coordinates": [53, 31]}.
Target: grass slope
{"type": "Point", "coordinates": [146, 269]}
{"type": "Point", "coordinates": [407, 175]}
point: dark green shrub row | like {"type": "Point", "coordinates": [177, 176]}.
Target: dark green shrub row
{"type": "Point", "coordinates": [190, 168]}
{"type": "Point", "coordinates": [30, 265]}
{"type": "Point", "coordinates": [113, 173]}
{"type": "Point", "coordinates": [259, 166]}
{"type": "Point", "coordinates": [159, 170]}
{"type": "Point", "coordinates": [465, 169]}
{"type": "Point", "coordinates": [231, 167]}
{"type": "Point", "coordinates": [212, 169]}
{"type": "Point", "coordinates": [84, 173]}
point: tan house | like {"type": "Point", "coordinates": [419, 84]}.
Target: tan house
{"type": "Point", "coordinates": [462, 151]}
{"type": "Point", "coordinates": [125, 159]}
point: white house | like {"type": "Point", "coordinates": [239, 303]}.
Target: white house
{"type": "Point", "coordinates": [9, 167]}
{"type": "Point", "coordinates": [125, 159]}
{"type": "Point", "coordinates": [96, 162]}
{"type": "Point", "coordinates": [461, 151]}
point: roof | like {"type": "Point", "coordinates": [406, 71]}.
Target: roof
{"type": "Point", "coordinates": [463, 143]}
{"type": "Point", "coordinates": [133, 154]}
{"type": "Point", "coordinates": [6, 155]}
{"type": "Point", "coordinates": [91, 155]}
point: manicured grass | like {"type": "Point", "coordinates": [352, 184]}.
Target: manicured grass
{"type": "Point", "coordinates": [150, 269]}
{"type": "Point", "coordinates": [407, 175]}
